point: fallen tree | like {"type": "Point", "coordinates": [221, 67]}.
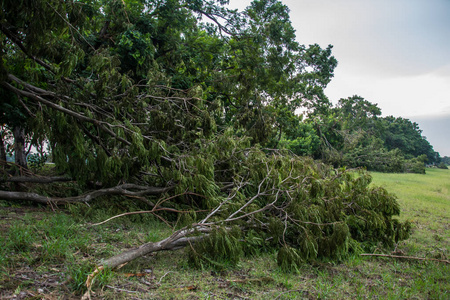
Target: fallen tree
{"type": "Point", "coordinates": [305, 209]}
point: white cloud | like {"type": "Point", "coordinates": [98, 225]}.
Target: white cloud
{"type": "Point", "coordinates": [427, 94]}
{"type": "Point", "coordinates": [389, 38]}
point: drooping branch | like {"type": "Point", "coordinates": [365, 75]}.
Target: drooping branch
{"type": "Point", "coordinates": [62, 109]}
{"type": "Point", "coordinates": [16, 40]}
{"type": "Point", "coordinates": [123, 190]}
{"type": "Point", "coordinates": [71, 26]}
{"type": "Point", "coordinates": [94, 138]}
{"type": "Point", "coordinates": [49, 99]}
{"type": "Point", "coordinates": [43, 180]}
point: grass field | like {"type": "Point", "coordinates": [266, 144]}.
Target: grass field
{"type": "Point", "coordinates": [425, 201]}
{"type": "Point", "coordinates": [40, 249]}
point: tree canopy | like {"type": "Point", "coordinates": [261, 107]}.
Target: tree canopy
{"type": "Point", "coordinates": [189, 106]}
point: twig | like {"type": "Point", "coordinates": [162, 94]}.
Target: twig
{"type": "Point", "coordinates": [154, 210]}
{"type": "Point", "coordinates": [120, 290]}
{"type": "Point", "coordinates": [407, 257]}
{"type": "Point", "coordinates": [178, 195]}
{"type": "Point", "coordinates": [162, 277]}
{"type": "Point", "coordinates": [259, 194]}
{"type": "Point", "coordinates": [133, 213]}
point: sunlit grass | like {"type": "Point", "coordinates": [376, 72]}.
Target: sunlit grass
{"type": "Point", "coordinates": [425, 201]}
{"type": "Point", "coordinates": [419, 195]}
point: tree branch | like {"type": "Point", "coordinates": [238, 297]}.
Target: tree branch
{"type": "Point", "coordinates": [407, 257]}
{"type": "Point", "coordinates": [36, 179]}
{"type": "Point", "coordinates": [123, 189]}
{"type": "Point", "coordinates": [177, 240]}
{"type": "Point", "coordinates": [19, 44]}
{"type": "Point", "coordinates": [69, 112]}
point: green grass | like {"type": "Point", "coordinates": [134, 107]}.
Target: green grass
{"type": "Point", "coordinates": [419, 195]}
{"type": "Point", "coordinates": [425, 201]}
{"type": "Point", "coordinates": [41, 247]}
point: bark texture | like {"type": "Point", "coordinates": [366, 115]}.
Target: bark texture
{"type": "Point", "coordinates": [19, 147]}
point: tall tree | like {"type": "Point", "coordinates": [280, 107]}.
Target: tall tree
{"type": "Point", "coordinates": [407, 136]}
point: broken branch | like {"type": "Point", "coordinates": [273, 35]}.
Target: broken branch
{"type": "Point", "coordinates": [407, 257]}
{"type": "Point", "coordinates": [123, 189]}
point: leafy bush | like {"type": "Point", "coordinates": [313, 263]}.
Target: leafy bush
{"type": "Point", "coordinates": [36, 161]}
{"type": "Point", "coordinates": [415, 165]}
{"type": "Point", "coordinates": [442, 165]}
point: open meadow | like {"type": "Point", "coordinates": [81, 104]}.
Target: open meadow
{"type": "Point", "coordinates": [47, 254]}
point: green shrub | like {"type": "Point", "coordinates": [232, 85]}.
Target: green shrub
{"type": "Point", "coordinates": [289, 259]}
{"type": "Point", "coordinates": [415, 166]}
{"type": "Point", "coordinates": [36, 161]}
{"type": "Point", "coordinates": [442, 165]}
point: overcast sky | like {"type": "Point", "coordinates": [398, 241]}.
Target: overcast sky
{"type": "Point", "coordinates": [395, 53]}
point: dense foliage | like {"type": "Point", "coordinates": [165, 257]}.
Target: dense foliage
{"type": "Point", "coordinates": [445, 160]}
{"type": "Point", "coordinates": [188, 105]}
{"type": "Point", "coordinates": [354, 134]}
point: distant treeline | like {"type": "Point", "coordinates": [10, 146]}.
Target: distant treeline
{"type": "Point", "coordinates": [354, 134]}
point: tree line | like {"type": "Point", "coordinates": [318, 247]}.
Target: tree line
{"type": "Point", "coordinates": [354, 134]}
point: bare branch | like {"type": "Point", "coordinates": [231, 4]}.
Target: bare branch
{"type": "Point", "coordinates": [407, 257]}
{"type": "Point", "coordinates": [154, 210]}
{"type": "Point", "coordinates": [177, 240]}
{"type": "Point", "coordinates": [258, 194]}
{"type": "Point", "coordinates": [117, 190]}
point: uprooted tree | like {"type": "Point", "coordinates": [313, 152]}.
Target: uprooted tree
{"type": "Point", "coordinates": [181, 104]}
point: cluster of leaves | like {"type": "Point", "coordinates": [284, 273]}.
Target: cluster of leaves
{"type": "Point", "coordinates": [36, 161]}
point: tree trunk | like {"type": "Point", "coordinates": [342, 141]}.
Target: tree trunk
{"type": "Point", "coordinates": [2, 148]}
{"type": "Point", "coordinates": [19, 146]}
{"type": "Point", "coordinates": [167, 244]}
